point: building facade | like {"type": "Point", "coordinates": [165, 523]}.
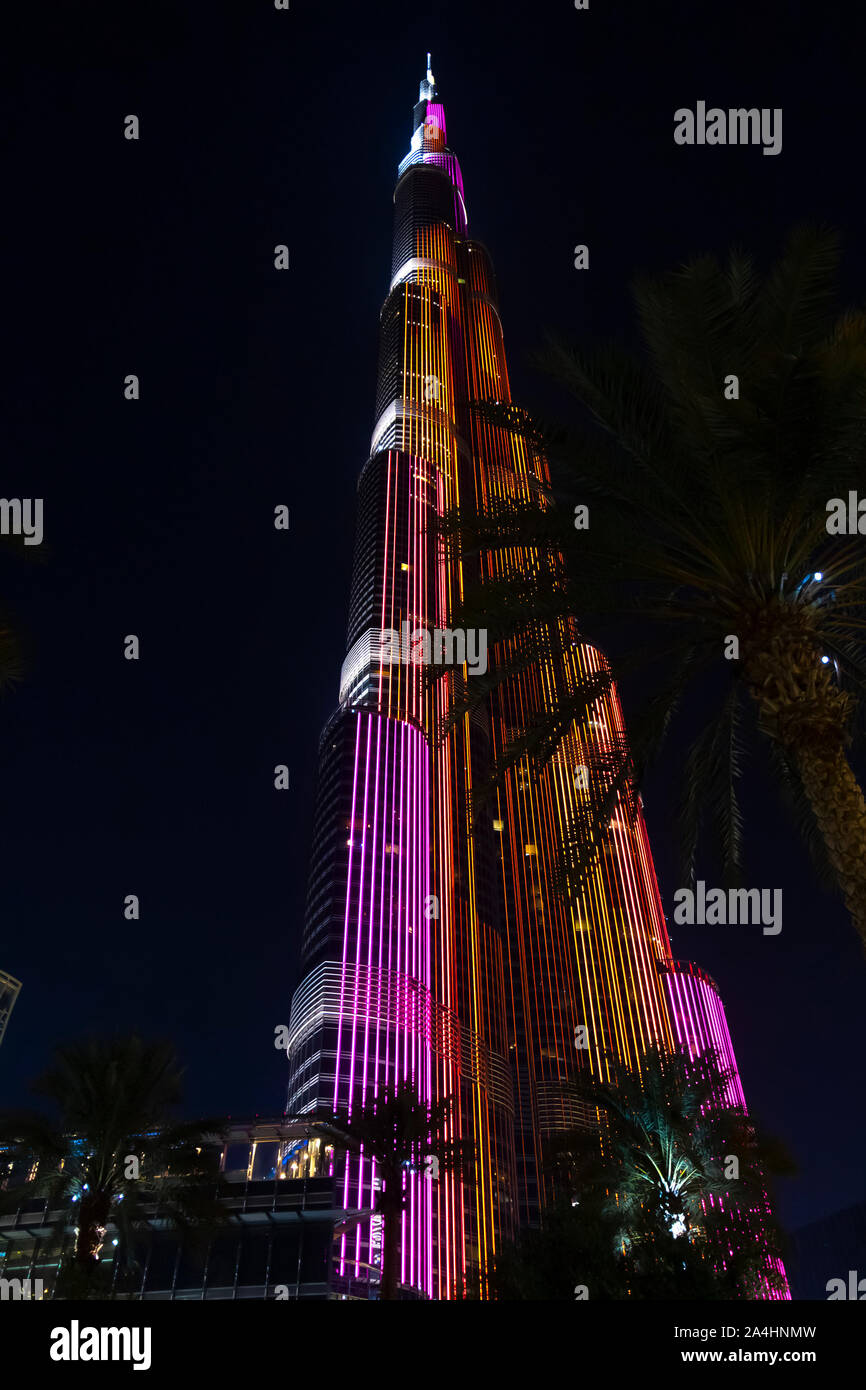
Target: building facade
{"type": "Point", "coordinates": [274, 1180]}
{"type": "Point", "coordinates": [438, 946]}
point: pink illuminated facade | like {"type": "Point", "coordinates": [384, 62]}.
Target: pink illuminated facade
{"type": "Point", "coordinates": [698, 1017]}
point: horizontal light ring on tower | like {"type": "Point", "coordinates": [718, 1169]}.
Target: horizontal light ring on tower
{"type": "Point", "coordinates": [416, 263]}
{"type": "Point", "coordinates": [401, 1002]}
{"type": "Point", "coordinates": [374, 649]}
{"type": "Point", "coordinates": [401, 410]}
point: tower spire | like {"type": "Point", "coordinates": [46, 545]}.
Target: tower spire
{"type": "Point", "coordinates": [428, 84]}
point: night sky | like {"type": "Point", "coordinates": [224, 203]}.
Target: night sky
{"type": "Point", "coordinates": [155, 257]}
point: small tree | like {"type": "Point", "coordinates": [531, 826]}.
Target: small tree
{"type": "Point", "coordinates": [399, 1132]}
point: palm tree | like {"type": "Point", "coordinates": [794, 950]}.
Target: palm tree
{"type": "Point", "coordinates": [644, 1209]}
{"type": "Point", "coordinates": [710, 464]}
{"type": "Point", "coordinates": [579, 1255]}
{"type": "Point", "coordinates": [114, 1150]}
{"type": "Point", "coordinates": [401, 1133]}
{"type": "Point", "coordinates": [667, 1133]}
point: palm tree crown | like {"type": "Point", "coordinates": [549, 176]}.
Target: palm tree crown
{"type": "Point", "coordinates": [702, 500]}
{"type": "Point", "coordinates": [114, 1148]}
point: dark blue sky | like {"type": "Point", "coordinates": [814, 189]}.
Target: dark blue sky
{"type": "Point", "coordinates": [259, 127]}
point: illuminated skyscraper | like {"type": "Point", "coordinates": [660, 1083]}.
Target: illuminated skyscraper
{"type": "Point", "coordinates": [436, 945]}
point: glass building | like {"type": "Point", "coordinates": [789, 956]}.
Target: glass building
{"type": "Point", "coordinates": [437, 945]}
{"type": "Point", "coordinates": [275, 1184]}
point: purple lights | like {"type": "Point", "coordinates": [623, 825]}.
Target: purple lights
{"type": "Point", "coordinates": [434, 150]}
{"type": "Point", "coordinates": [383, 1031]}
{"type": "Point", "coordinates": [698, 1017]}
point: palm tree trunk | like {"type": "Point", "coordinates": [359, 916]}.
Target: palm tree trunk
{"type": "Point", "coordinates": [391, 1224]}
{"type": "Point", "coordinates": [801, 704]}
{"type": "Point", "coordinates": [92, 1220]}
{"type": "Point", "coordinates": [840, 810]}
